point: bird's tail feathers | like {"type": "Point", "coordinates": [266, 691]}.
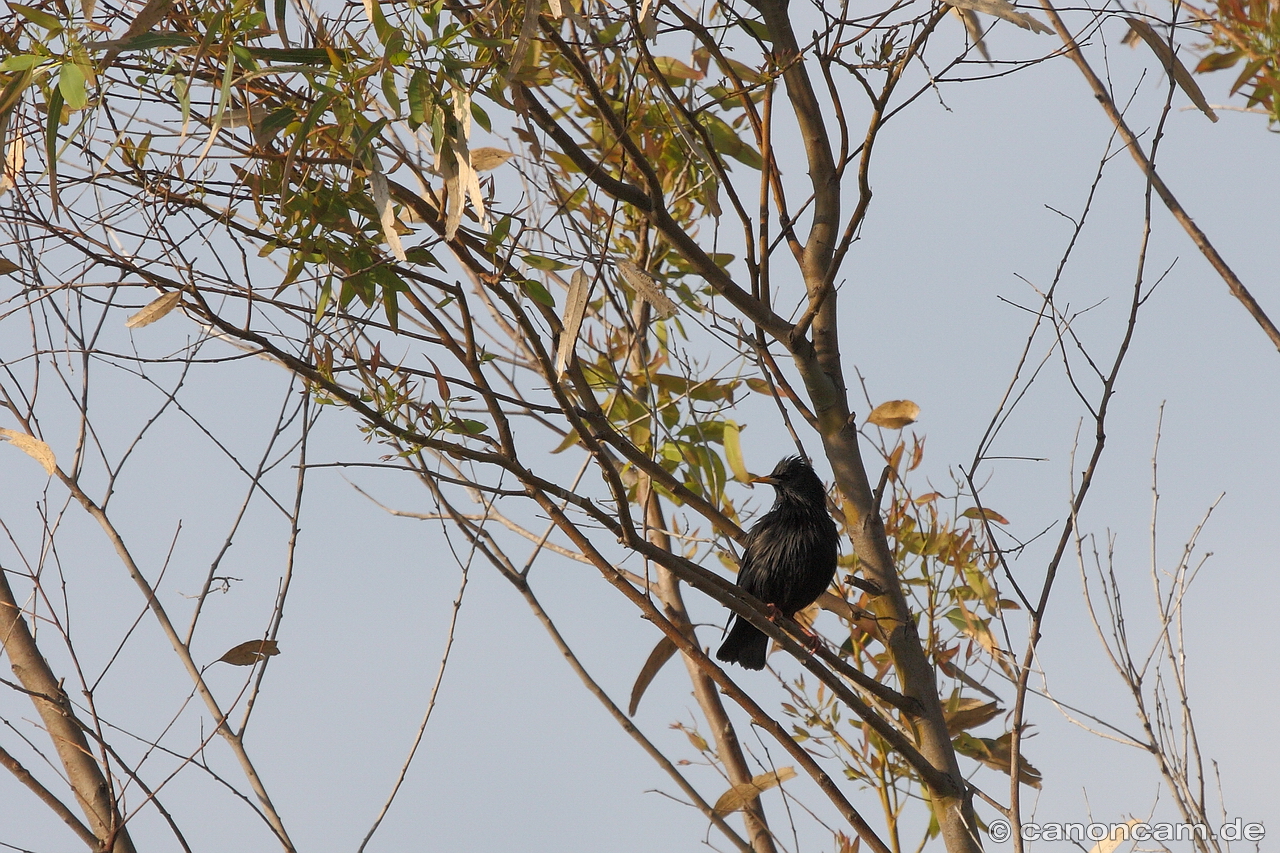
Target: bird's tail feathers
{"type": "Point", "coordinates": [746, 645]}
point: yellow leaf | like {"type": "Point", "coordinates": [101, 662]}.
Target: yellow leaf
{"type": "Point", "coordinates": [997, 754]}
{"type": "Point", "coordinates": [1119, 835]}
{"type": "Point", "coordinates": [984, 512]}
{"type": "Point", "coordinates": [485, 159]}
{"type": "Point", "coordinates": [33, 447]}
{"type": "Point", "coordinates": [154, 310]}
{"type": "Point", "coordinates": [698, 741]}
{"type": "Point", "coordinates": [8, 267]}
{"type": "Point", "coordinates": [894, 414]}
{"type": "Point", "coordinates": [739, 795]}
{"type": "Point", "coordinates": [733, 452]}
{"type": "Point", "coordinates": [247, 654]}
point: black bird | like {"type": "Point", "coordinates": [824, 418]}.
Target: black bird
{"type": "Point", "coordinates": [790, 556]}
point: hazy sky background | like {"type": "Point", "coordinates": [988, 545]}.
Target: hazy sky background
{"type": "Point", "coordinates": [518, 756]}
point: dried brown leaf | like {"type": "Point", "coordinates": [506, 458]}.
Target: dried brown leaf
{"type": "Point", "coordinates": [1173, 65]}
{"type": "Point", "coordinates": [386, 216]}
{"type": "Point", "coordinates": [647, 288]}
{"type": "Point", "coordinates": [247, 654]}
{"type": "Point", "coordinates": [741, 794]}
{"type": "Point", "coordinates": [661, 653]}
{"type": "Point", "coordinates": [969, 714]}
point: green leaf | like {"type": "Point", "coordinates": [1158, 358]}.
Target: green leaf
{"type": "Point", "coordinates": [538, 262]}
{"type": "Point", "coordinates": [37, 17]}
{"type": "Point", "coordinates": [147, 41]}
{"type": "Point", "coordinates": [538, 292]}
{"type": "Point", "coordinates": [674, 69]}
{"type": "Point", "coordinates": [466, 426]}
{"type": "Point", "coordinates": [397, 54]}
{"type": "Point", "coordinates": [480, 117]}
{"type": "Point", "coordinates": [21, 62]}
{"type": "Point", "coordinates": [71, 85]}
{"type": "Point", "coordinates": [727, 141]}
{"type": "Point", "coordinates": [1218, 61]}
{"type": "Point", "coordinates": [291, 55]}
{"type": "Point", "coordinates": [275, 122]}
{"type": "Point", "coordinates": [419, 93]}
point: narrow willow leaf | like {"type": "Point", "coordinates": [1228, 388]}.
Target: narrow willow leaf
{"type": "Point", "coordinates": [454, 165]}
{"type": "Point", "coordinates": [1001, 9]}
{"type": "Point", "coordinates": [983, 512]}
{"type": "Point", "coordinates": [154, 310]}
{"type": "Point", "coordinates": [1173, 65]}
{"type": "Point", "coordinates": [646, 287]}
{"type": "Point", "coordinates": [741, 794]}
{"type": "Point", "coordinates": [733, 452]}
{"type": "Point", "coordinates": [973, 26]}
{"type": "Point", "coordinates": [37, 17]}
{"type": "Point", "coordinates": [575, 308]}
{"type": "Point", "coordinates": [386, 216]}
{"type": "Point", "coordinates": [528, 29]}
{"type": "Point", "coordinates": [661, 653]}
{"type": "Point", "coordinates": [33, 447]}
{"type": "Point", "coordinates": [894, 414]}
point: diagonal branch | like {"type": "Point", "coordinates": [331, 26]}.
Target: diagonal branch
{"type": "Point", "coordinates": [1198, 237]}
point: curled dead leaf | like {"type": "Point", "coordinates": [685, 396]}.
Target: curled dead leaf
{"type": "Point", "coordinates": [895, 414]}
{"type": "Point", "coordinates": [33, 447]}
{"type": "Point", "coordinates": [741, 794]}
{"type": "Point", "coordinates": [247, 654]}
{"type": "Point", "coordinates": [154, 310]}
{"type": "Point", "coordinates": [969, 714]}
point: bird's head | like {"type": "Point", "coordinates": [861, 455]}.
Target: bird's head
{"type": "Point", "coordinates": [795, 479]}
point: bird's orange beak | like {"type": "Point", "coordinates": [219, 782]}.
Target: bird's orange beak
{"type": "Point", "coordinates": [772, 481]}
